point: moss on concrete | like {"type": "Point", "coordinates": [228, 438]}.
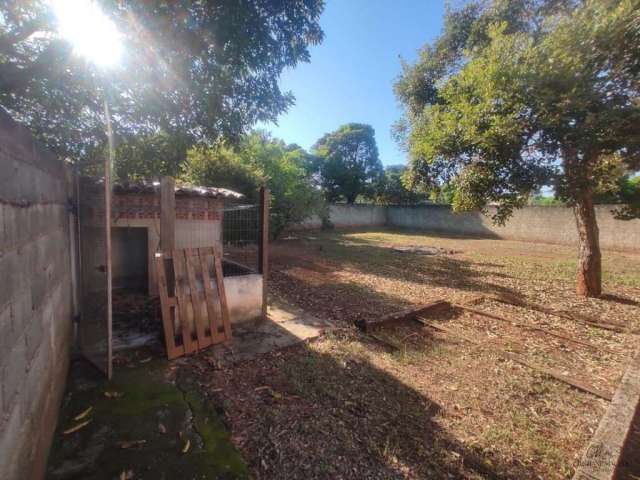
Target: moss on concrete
{"type": "Point", "coordinates": [148, 401]}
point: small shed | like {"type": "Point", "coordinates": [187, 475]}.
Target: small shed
{"type": "Point", "coordinates": [204, 217]}
{"type": "Point", "coordinates": [135, 227]}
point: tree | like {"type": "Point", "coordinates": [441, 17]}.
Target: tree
{"type": "Point", "coordinates": [517, 95]}
{"type": "Point", "coordinates": [391, 188]}
{"type": "Point", "coordinates": [209, 69]}
{"type": "Point", "coordinates": [221, 166]}
{"type": "Point", "coordinates": [259, 160]}
{"type": "Point", "coordinates": [350, 164]}
{"type": "Point", "coordinates": [149, 156]}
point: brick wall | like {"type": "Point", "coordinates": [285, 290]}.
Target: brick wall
{"type": "Point", "coordinates": [147, 206]}
{"type": "Point", "coordinates": [35, 300]}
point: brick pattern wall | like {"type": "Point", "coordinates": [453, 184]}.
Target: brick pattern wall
{"type": "Point", "coordinates": [35, 300]}
{"type": "Point", "coordinates": [136, 206]}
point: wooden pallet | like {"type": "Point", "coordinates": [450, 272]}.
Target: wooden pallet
{"type": "Point", "coordinates": [194, 314]}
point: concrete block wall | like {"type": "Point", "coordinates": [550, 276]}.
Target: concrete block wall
{"type": "Point", "coordinates": [349, 216]}
{"type": "Point", "coordinates": [555, 225]}
{"type": "Point", "coordinates": [35, 299]}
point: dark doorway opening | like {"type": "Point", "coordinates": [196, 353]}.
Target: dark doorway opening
{"type": "Point", "coordinates": [130, 258]}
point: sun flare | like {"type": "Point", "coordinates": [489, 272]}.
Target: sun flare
{"type": "Point", "coordinates": [91, 33]}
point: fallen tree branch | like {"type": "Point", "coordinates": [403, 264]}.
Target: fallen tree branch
{"type": "Point", "coordinates": [537, 329]}
{"type": "Point", "coordinates": [519, 359]}
{"type": "Point", "coordinates": [573, 316]}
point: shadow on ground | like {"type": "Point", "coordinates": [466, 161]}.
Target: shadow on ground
{"type": "Point", "coordinates": [308, 414]}
{"type": "Point", "coordinates": [308, 274]}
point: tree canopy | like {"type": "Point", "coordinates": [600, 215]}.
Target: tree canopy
{"type": "Point", "coordinates": [349, 162]}
{"type": "Point", "coordinates": [259, 160]}
{"type": "Point", "coordinates": [391, 187]}
{"type": "Point", "coordinates": [517, 95]}
{"type": "Point", "coordinates": [208, 69]}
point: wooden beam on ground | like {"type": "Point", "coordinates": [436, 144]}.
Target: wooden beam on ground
{"type": "Point", "coordinates": [408, 314]}
{"type": "Point", "coordinates": [387, 343]}
{"type": "Point", "coordinates": [167, 214]}
{"type": "Point", "coordinates": [573, 316]}
{"type": "Point", "coordinates": [519, 359]}
{"type": "Point", "coordinates": [534, 328]}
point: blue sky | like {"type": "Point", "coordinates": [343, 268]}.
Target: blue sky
{"type": "Point", "coordinates": [351, 74]}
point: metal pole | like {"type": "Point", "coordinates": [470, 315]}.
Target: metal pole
{"type": "Point", "coordinates": [264, 247]}
{"type": "Point", "coordinates": [108, 168]}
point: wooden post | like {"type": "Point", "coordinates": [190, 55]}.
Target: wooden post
{"type": "Point", "coordinates": [167, 214]}
{"type": "Point", "coordinates": [264, 247]}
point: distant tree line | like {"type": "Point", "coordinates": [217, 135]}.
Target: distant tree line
{"type": "Point", "coordinates": [342, 166]}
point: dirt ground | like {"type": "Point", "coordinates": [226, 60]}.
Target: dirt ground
{"type": "Point", "coordinates": [431, 405]}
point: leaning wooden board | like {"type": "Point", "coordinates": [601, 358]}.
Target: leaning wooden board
{"type": "Point", "coordinates": [194, 314]}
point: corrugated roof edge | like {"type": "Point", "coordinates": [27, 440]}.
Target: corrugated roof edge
{"type": "Point", "coordinates": [146, 187]}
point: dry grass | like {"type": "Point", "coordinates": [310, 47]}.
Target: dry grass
{"type": "Point", "coordinates": [347, 407]}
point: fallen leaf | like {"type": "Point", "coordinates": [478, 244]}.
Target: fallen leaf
{"type": "Point", "coordinates": [132, 443]}
{"type": "Point", "coordinates": [113, 394]}
{"type": "Point", "coordinates": [186, 447]}
{"type": "Point", "coordinates": [83, 414]}
{"type": "Point", "coordinates": [76, 428]}
{"type": "Point", "coordinates": [126, 475]}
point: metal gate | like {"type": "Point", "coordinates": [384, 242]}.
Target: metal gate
{"type": "Point", "coordinates": [94, 218]}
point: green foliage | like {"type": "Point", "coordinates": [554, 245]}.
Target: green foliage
{"type": "Point", "coordinates": [349, 164]}
{"type": "Point", "coordinates": [149, 156]}
{"type": "Point", "coordinates": [258, 160]}
{"type": "Point", "coordinates": [392, 189]}
{"type": "Point", "coordinates": [626, 193]}
{"type": "Point", "coordinates": [516, 95]}
{"type": "Point", "coordinates": [207, 68]}
{"type": "Point", "coordinates": [544, 201]}
{"type": "Point", "coordinates": [221, 166]}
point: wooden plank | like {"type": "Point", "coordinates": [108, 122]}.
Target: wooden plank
{"type": "Point", "coordinates": [214, 320]}
{"type": "Point", "coordinates": [224, 308]}
{"type": "Point", "coordinates": [519, 359]}
{"type": "Point", "coordinates": [167, 214]}
{"type": "Point", "coordinates": [173, 351]}
{"type": "Point", "coordinates": [387, 343]}
{"type": "Point", "coordinates": [407, 314]}
{"type": "Point", "coordinates": [264, 247]}
{"type": "Point", "coordinates": [537, 329]}
{"type": "Point", "coordinates": [196, 302]}
{"type": "Point", "coordinates": [575, 317]}
{"type": "Point", "coordinates": [187, 341]}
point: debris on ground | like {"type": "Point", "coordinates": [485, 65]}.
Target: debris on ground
{"type": "Point", "coordinates": [422, 250]}
{"type": "Point", "coordinates": [497, 417]}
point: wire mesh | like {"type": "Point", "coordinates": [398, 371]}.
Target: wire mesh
{"type": "Point", "coordinates": [241, 239]}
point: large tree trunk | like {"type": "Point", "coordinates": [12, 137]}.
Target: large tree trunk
{"type": "Point", "coordinates": [589, 258]}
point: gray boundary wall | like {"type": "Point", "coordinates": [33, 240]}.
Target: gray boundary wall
{"type": "Point", "coordinates": [349, 216]}
{"type": "Point", "coordinates": [35, 299]}
{"type": "Point", "coordinates": [554, 225]}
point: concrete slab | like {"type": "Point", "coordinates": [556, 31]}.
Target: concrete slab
{"type": "Point", "coordinates": [602, 458]}
{"type": "Point", "coordinates": [285, 327]}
